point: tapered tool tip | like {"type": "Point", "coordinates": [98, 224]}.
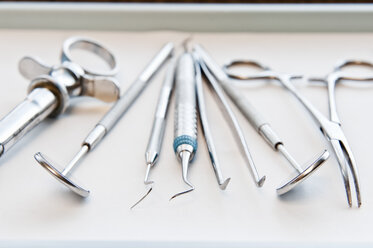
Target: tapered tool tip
{"type": "Point", "coordinates": [182, 193]}
{"type": "Point", "coordinates": [142, 198]}
{"type": "Point", "coordinates": [224, 185]}
{"type": "Point", "coordinates": [261, 181]}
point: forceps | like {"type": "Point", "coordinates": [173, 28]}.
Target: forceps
{"type": "Point", "coordinates": [331, 128]}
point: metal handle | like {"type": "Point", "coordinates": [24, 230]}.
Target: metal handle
{"type": "Point", "coordinates": [39, 104]}
{"type": "Point", "coordinates": [245, 107]}
{"type": "Point", "coordinates": [121, 106]}
{"type": "Point", "coordinates": [156, 138]}
{"type": "Point", "coordinates": [185, 109]}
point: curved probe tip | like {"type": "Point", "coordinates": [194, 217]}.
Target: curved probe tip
{"type": "Point", "coordinates": [261, 181]}
{"type": "Point", "coordinates": [142, 198]}
{"type": "Point", "coordinates": [224, 185]}
{"type": "Point", "coordinates": [182, 193]}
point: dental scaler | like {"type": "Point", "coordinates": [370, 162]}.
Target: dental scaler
{"type": "Point", "coordinates": [185, 142]}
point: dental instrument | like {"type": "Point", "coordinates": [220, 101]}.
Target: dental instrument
{"type": "Point", "coordinates": [331, 128]}
{"type": "Point", "coordinates": [52, 87]}
{"type": "Point", "coordinates": [260, 125]}
{"type": "Point", "coordinates": [154, 146]}
{"type": "Point", "coordinates": [223, 182]}
{"type": "Point", "coordinates": [185, 117]}
{"type": "Point", "coordinates": [106, 123]}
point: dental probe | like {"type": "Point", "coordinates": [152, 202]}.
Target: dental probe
{"type": "Point", "coordinates": [107, 122]}
{"type": "Point", "coordinates": [261, 125]}
{"type": "Point", "coordinates": [185, 126]}
{"type": "Point", "coordinates": [232, 119]}
{"type": "Point", "coordinates": [219, 74]}
{"type": "Point", "coordinates": [154, 146]}
{"type": "Point", "coordinates": [223, 182]}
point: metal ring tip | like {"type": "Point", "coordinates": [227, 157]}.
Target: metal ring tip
{"type": "Point", "coordinates": [290, 185]}
{"type": "Point", "coordinates": [224, 185]}
{"type": "Point", "coordinates": [47, 165]}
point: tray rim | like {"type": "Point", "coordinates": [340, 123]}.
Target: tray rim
{"type": "Point", "coordinates": [176, 17]}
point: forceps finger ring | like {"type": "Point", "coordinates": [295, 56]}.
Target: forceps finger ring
{"type": "Point", "coordinates": [242, 62]}
{"type": "Point", "coordinates": [91, 46]}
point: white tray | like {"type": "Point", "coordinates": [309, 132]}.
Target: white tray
{"type": "Point", "coordinates": [36, 211]}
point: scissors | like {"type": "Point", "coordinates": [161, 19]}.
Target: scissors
{"type": "Point", "coordinates": [330, 127]}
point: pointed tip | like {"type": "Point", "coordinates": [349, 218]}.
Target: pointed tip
{"type": "Point", "coordinates": [142, 198]}
{"type": "Point", "coordinates": [181, 193]}
{"type": "Point", "coordinates": [261, 181]}
{"type": "Point", "coordinates": [224, 185]}
{"type": "Point", "coordinates": [146, 179]}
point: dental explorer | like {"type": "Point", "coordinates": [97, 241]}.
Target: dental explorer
{"type": "Point", "coordinates": [185, 125]}
{"type": "Point", "coordinates": [261, 126]}
{"type": "Point", "coordinates": [107, 122]}
{"type": "Point", "coordinates": [259, 181]}
{"type": "Point", "coordinates": [223, 182]}
{"type": "Point", "coordinates": [52, 87]}
{"type": "Point", "coordinates": [231, 118]}
{"type": "Point", "coordinates": [154, 146]}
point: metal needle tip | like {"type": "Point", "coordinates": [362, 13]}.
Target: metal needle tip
{"type": "Point", "coordinates": [142, 198]}
{"type": "Point", "coordinates": [146, 180]}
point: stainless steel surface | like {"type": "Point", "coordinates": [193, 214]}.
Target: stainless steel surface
{"type": "Point", "coordinates": [92, 46]}
{"type": "Point", "coordinates": [252, 115]}
{"type": "Point", "coordinates": [154, 146]}
{"type": "Point", "coordinates": [50, 91]}
{"type": "Point", "coordinates": [303, 174]}
{"type": "Point", "coordinates": [331, 128]}
{"type": "Point", "coordinates": [114, 114]}
{"type": "Point", "coordinates": [208, 65]}
{"type": "Point", "coordinates": [59, 176]}
{"type": "Point", "coordinates": [121, 106]}
{"type": "Point", "coordinates": [223, 182]}
{"type": "Point", "coordinates": [185, 124]}
{"type": "Point", "coordinates": [39, 104]}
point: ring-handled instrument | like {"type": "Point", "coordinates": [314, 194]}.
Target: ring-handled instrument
{"type": "Point", "coordinates": [106, 123]}
{"type": "Point", "coordinates": [262, 126]}
{"type": "Point", "coordinates": [216, 78]}
{"type": "Point", "coordinates": [222, 181]}
{"type": "Point", "coordinates": [52, 87]}
{"type": "Point", "coordinates": [154, 146]}
{"type": "Point", "coordinates": [331, 128]}
{"type": "Point", "coordinates": [185, 116]}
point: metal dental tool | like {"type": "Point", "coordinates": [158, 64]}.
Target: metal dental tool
{"type": "Point", "coordinates": [331, 128]}
{"type": "Point", "coordinates": [263, 127]}
{"type": "Point", "coordinates": [236, 128]}
{"type": "Point", "coordinates": [223, 182]}
{"type": "Point", "coordinates": [107, 122]}
{"type": "Point", "coordinates": [52, 87]}
{"type": "Point", "coordinates": [208, 65]}
{"type": "Point", "coordinates": [153, 149]}
{"type": "Point", "coordinates": [185, 142]}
